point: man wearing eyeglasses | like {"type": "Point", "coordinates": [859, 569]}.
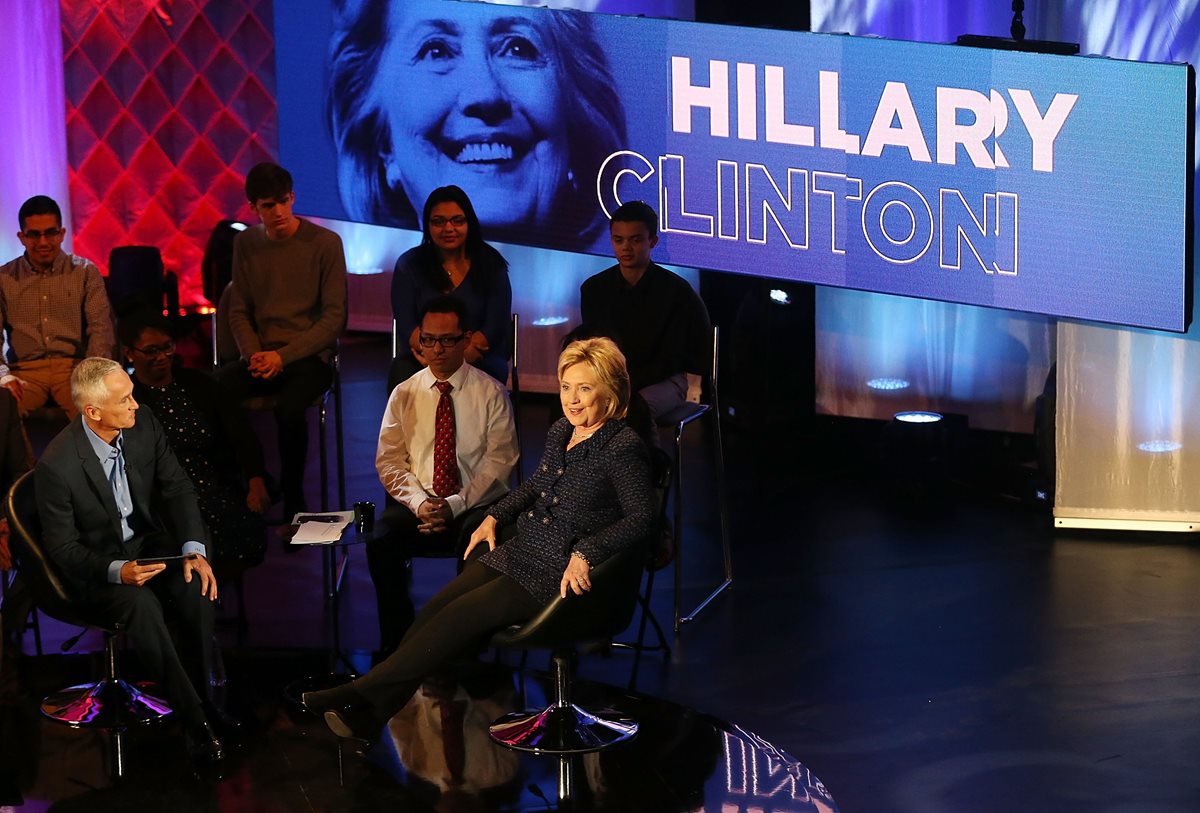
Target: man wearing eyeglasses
{"type": "Point", "coordinates": [53, 310]}
{"type": "Point", "coordinates": [447, 447]}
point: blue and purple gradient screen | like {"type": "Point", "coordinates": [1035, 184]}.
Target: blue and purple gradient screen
{"type": "Point", "coordinates": [1053, 185]}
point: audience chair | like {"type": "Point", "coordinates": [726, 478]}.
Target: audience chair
{"type": "Point", "coordinates": [216, 267]}
{"type": "Point", "coordinates": [224, 349]}
{"type": "Point", "coordinates": [680, 419]}
{"type": "Point", "coordinates": [110, 704]}
{"type": "Point", "coordinates": [18, 613]}
{"type": "Point", "coordinates": [137, 277]}
{"type": "Point", "coordinates": [564, 729]}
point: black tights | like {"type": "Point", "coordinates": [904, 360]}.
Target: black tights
{"type": "Point", "coordinates": [460, 617]}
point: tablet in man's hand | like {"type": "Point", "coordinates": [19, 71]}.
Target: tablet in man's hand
{"type": "Point", "coordinates": [166, 560]}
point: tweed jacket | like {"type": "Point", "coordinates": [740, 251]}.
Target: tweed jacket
{"type": "Point", "coordinates": [81, 526]}
{"type": "Point", "coordinates": [596, 498]}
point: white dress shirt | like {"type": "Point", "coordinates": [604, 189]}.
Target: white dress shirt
{"type": "Point", "coordinates": [485, 439]}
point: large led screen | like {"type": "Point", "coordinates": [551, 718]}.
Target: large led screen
{"type": "Point", "coordinates": [1056, 185]}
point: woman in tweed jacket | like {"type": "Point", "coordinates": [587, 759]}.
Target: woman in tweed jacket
{"type": "Point", "coordinates": [590, 498]}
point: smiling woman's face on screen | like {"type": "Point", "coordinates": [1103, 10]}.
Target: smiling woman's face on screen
{"type": "Point", "coordinates": [474, 100]}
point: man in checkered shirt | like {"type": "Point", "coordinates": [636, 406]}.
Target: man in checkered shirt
{"type": "Point", "coordinates": [53, 312]}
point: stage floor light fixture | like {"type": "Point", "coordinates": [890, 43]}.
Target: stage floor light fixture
{"type": "Point", "coordinates": [918, 416]}
{"type": "Point", "coordinates": [1160, 446]}
{"type": "Point", "coordinates": [887, 383]}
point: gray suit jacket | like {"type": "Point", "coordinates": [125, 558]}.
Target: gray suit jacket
{"type": "Point", "coordinates": [81, 527]}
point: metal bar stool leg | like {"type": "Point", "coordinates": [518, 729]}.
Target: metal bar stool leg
{"type": "Point", "coordinates": [714, 413]}
{"type": "Point", "coordinates": [677, 475]}
{"type": "Point", "coordinates": [566, 779]}
{"type": "Point", "coordinates": [723, 502]}
{"type": "Point", "coordinates": [338, 440]}
{"type": "Point", "coordinates": [719, 461]}
{"type": "Point", "coordinates": [324, 457]}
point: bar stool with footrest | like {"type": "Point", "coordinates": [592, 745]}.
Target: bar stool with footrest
{"type": "Point", "coordinates": [110, 704]}
{"type": "Point", "coordinates": [680, 419]}
{"type": "Point", "coordinates": [564, 729]}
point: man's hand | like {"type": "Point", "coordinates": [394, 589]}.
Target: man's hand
{"type": "Point", "coordinates": [486, 532]}
{"type": "Point", "coordinates": [14, 385]}
{"type": "Point", "coordinates": [138, 575]}
{"type": "Point", "coordinates": [434, 513]}
{"type": "Point", "coordinates": [477, 345]}
{"type": "Point", "coordinates": [575, 577]}
{"type": "Point", "coordinates": [208, 582]}
{"type": "Point", "coordinates": [266, 364]}
{"type": "Point", "coordinates": [414, 344]}
{"type": "Point", "coordinates": [257, 498]}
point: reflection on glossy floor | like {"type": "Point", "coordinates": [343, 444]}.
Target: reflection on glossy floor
{"type": "Point", "coordinates": [963, 657]}
{"type": "Point", "coordinates": [434, 755]}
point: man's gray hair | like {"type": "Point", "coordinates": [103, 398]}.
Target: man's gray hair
{"type": "Point", "coordinates": [87, 381]}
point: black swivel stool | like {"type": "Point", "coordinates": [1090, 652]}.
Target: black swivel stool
{"type": "Point", "coordinates": [564, 729]}
{"type": "Point", "coordinates": [110, 704]}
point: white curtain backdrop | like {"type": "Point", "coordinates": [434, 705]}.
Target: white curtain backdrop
{"type": "Point", "coordinates": [1128, 435]}
{"type": "Point", "coordinates": [33, 151]}
{"type": "Point", "coordinates": [1128, 429]}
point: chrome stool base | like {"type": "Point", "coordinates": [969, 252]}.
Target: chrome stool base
{"type": "Point", "coordinates": [111, 705]}
{"type": "Point", "coordinates": [107, 704]}
{"type": "Point", "coordinates": [565, 729]}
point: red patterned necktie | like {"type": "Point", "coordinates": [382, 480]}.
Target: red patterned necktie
{"type": "Point", "coordinates": [445, 455]}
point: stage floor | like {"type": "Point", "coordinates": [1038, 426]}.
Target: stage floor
{"type": "Point", "coordinates": [941, 652]}
{"type": "Point", "coordinates": [681, 759]}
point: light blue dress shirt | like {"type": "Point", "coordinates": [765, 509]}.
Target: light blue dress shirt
{"type": "Point", "coordinates": [112, 460]}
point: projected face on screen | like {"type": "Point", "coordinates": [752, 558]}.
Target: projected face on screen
{"type": "Point", "coordinates": [478, 96]}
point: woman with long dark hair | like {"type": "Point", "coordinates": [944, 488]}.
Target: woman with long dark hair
{"type": "Point", "coordinates": [453, 259]}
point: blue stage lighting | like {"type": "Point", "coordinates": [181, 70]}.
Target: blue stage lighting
{"type": "Point", "coordinates": [1160, 446]}
{"type": "Point", "coordinates": [917, 416]}
{"type": "Point", "coordinates": [888, 383]}
{"type": "Point", "coordinates": [549, 321]}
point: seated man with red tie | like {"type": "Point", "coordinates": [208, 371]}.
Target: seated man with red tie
{"type": "Point", "coordinates": [447, 447]}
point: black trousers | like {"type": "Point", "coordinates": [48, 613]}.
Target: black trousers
{"type": "Point", "coordinates": [389, 560]}
{"type": "Point", "coordinates": [295, 390]}
{"type": "Point", "coordinates": [183, 674]}
{"type": "Point", "coordinates": [456, 621]}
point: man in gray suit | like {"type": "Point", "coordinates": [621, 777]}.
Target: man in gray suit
{"type": "Point", "coordinates": [110, 491]}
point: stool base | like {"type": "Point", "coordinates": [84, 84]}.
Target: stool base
{"type": "Point", "coordinates": [565, 729]}
{"type": "Point", "coordinates": [109, 703]}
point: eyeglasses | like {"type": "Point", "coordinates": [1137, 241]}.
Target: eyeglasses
{"type": "Point", "coordinates": [156, 350]}
{"type": "Point", "coordinates": [444, 341]}
{"type": "Point", "coordinates": [438, 222]}
{"type": "Point", "coordinates": [49, 234]}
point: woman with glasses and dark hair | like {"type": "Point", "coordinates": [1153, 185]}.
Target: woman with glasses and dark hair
{"type": "Point", "coordinates": [517, 105]}
{"type": "Point", "coordinates": [452, 259]}
{"type": "Point", "coordinates": [210, 436]}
